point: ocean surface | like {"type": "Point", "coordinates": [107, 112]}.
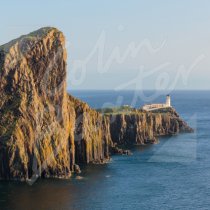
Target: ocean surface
{"type": "Point", "coordinates": [174, 174]}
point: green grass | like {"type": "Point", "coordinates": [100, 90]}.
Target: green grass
{"type": "Point", "coordinates": [130, 110]}
{"type": "Point", "coordinates": [118, 110]}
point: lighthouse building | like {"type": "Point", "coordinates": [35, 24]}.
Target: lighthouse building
{"type": "Point", "coordinates": [150, 107]}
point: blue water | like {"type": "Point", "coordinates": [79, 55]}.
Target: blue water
{"type": "Point", "coordinates": [174, 174]}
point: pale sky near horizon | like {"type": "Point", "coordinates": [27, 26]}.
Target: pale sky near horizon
{"type": "Point", "coordinates": [103, 36]}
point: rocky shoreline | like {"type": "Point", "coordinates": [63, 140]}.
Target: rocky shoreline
{"type": "Point", "coordinates": [44, 132]}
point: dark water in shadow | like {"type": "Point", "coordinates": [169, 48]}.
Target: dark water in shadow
{"type": "Point", "coordinates": [174, 174]}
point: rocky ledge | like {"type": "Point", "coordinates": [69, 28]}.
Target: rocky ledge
{"type": "Point", "coordinates": [44, 132]}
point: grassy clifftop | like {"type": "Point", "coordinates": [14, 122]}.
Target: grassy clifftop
{"type": "Point", "coordinates": [126, 109]}
{"type": "Point", "coordinates": [118, 110]}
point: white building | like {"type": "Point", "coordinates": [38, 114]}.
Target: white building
{"type": "Point", "coordinates": [168, 101]}
{"type": "Point", "coordinates": [150, 107]}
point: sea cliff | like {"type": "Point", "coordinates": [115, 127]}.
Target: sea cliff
{"type": "Point", "coordinates": [142, 127]}
{"type": "Point", "coordinates": [44, 132]}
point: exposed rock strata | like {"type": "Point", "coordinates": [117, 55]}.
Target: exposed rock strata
{"type": "Point", "coordinates": [142, 127]}
{"type": "Point", "coordinates": [44, 131]}
{"type": "Point", "coordinates": [36, 121]}
{"type": "Point", "coordinates": [92, 136]}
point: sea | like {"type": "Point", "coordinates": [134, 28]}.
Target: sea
{"type": "Point", "coordinates": [173, 174]}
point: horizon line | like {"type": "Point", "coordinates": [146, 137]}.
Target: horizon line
{"type": "Point", "coordinates": [137, 90]}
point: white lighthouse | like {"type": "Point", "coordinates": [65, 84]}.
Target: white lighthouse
{"type": "Point", "coordinates": [168, 101]}
{"type": "Point", "coordinates": [151, 107]}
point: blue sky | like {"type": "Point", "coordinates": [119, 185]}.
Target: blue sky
{"type": "Point", "coordinates": [174, 37]}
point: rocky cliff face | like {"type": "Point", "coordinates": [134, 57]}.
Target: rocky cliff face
{"type": "Point", "coordinates": [44, 131]}
{"type": "Point", "coordinates": [36, 129]}
{"type": "Point", "coordinates": [142, 127]}
{"type": "Point", "coordinates": [41, 127]}
{"type": "Point", "coordinates": [92, 134]}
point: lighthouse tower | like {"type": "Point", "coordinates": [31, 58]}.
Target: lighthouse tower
{"type": "Point", "coordinates": [168, 101]}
